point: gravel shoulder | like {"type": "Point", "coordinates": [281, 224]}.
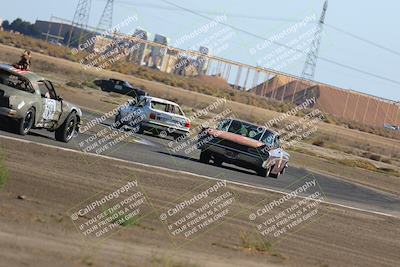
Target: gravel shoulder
{"type": "Point", "coordinates": [37, 230]}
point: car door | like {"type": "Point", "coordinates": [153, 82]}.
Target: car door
{"type": "Point", "coordinates": [133, 110]}
{"type": "Point", "coordinates": [52, 106]}
{"type": "Point", "coordinates": [118, 86]}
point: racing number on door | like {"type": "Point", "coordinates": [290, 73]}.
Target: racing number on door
{"type": "Point", "coordinates": [49, 109]}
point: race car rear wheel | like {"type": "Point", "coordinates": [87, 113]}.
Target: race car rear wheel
{"type": "Point", "coordinates": [24, 125]}
{"type": "Point", "coordinates": [140, 129]}
{"type": "Point", "coordinates": [204, 156]}
{"type": "Point", "coordinates": [217, 161]}
{"type": "Point", "coordinates": [67, 130]}
{"type": "Point", "coordinates": [118, 122]}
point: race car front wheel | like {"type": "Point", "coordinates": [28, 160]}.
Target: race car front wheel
{"type": "Point", "coordinates": [205, 157]}
{"type": "Point", "coordinates": [67, 130]}
{"type": "Point", "coordinates": [25, 124]}
{"type": "Point", "coordinates": [118, 123]}
{"type": "Point", "coordinates": [264, 172]}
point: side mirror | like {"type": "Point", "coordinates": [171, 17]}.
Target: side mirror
{"type": "Point", "coordinates": [59, 98]}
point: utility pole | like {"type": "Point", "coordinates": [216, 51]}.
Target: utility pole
{"type": "Point", "coordinates": [81, 19]}
{"type": "Point", "coordinates": [310, 65]}
{"type": "Point", "coordinates": [106, 20]}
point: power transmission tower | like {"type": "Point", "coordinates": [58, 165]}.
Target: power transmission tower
{"type": "Point", "coordinates": [312, 55]}
{"type": "Point", "coordinates": [81, 19]}
{"type": "Point", "coordinates": [105, 22]}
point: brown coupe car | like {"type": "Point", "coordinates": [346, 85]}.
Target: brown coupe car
{"type": "Point", "coordinates": [243, 144]}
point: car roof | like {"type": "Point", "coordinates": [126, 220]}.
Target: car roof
{"type": "Point", "coordinates": [268, 129]}
{"type": "Point", "coordinates": [31, 76]}
{"type": "Point", "coordinates": [160, 100]}
{"type": "Point", "coordinates": [117, 80]}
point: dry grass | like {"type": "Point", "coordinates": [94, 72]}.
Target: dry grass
{"type": "Point", "coordinates": [3, 172]}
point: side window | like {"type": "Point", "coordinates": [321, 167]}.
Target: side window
{"type": "Point", "coordinates": [159, 106]}
{"type": "Point", "coordinates": [224, 125]}
{"type": "Point", "coordinates": [47, 90]}
{"type": "Point", "coordinates": [16, 82]}
{"type": "Point", "coordinates": [174, 109]}
{"type": "Point", "coordinates": [43, 90]}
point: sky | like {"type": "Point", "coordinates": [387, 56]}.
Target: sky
{"type": "Point", "coordinates": [375, 21]}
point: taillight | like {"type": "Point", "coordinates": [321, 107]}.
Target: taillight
{"type": "Point", "coordinates": [152, 116]}
{"type": "Point", "coordinates": [187, 125]}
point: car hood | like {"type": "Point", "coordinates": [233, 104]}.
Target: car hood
{"type": "Point", "coordinates": [235, 138]}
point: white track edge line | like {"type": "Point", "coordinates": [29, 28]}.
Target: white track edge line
{"type": "Point", "coordinates": [192, 174]}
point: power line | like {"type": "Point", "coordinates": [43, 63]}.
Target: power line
{"type": "Point", "coordinates": [146, 5]}
{"type": "Point", "coordinates": [286, 46]}
{"type": "Point", "coordinates": [364, 39]}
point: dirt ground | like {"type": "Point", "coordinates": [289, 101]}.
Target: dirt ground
{"type": "Point", "coordinates": [45, 183]}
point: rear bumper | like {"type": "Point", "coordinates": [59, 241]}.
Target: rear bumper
{"type": "Point", "coordinates": [236, 157]}
{"type": "Point", "coordinates": [148, 125]}
{"type": "Point", "coordinates": [8, 112]}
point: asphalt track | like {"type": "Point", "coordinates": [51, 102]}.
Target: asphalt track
{"type": "Point", "coordinates": [153, 150]}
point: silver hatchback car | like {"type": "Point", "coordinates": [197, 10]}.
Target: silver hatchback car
{"type": "Point", "coordinates": [156, 115]}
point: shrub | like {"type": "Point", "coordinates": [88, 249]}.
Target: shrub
{"type": "Point", "coordinates": [375, 157]}
{"type": "Point", "coordinates": [3, 173]}
{"type": "Point", "coordinates": [318, 142]}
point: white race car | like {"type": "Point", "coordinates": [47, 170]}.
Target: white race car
{"type": "Point", "coordinates": [156, 115]}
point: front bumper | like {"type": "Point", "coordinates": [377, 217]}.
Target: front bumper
{"type": "Point", "coordinates": [8, 112]}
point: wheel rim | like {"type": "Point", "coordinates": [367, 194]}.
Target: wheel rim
{"type": "Point", "coordinates": [28, 121]}
{"type": "Point", "coordinates": [70, 129]}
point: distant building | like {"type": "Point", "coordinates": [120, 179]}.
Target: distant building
{"type": "Point", "coordinates": [101, 43]}
{"type": "Point", "coordinates": [59, 32]}
{"type": "Point", "coordinates": [158, 53]}
{"type": "Point", "coordinates": [138, 53]}
{"type": "Point", "coordinates": [202, 62]}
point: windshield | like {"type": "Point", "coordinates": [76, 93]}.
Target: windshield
{"type": "Point", "coordinates": [128, 84]}
{"type": "Point", "coordinates": [15, 81]}
{"type": "Point", "coordinates": [268, 138]}
{"type": "Point", "coordinates": [245, 129]}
